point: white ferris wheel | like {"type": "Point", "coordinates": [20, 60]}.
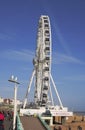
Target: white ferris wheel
{"type": "Point", "coordinates": [42, 66]}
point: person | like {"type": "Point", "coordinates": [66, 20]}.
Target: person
{"type": "Point", "coordinates": [59, 128]}
{"type": "Point", "coordinates": [1, 121]}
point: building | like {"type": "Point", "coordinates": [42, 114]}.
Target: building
{"type": "Point", "coordinates": [1, 100]}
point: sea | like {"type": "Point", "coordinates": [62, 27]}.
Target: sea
{"type": "Point", "coordinates": [82, 113]}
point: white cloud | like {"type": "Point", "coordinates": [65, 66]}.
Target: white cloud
{"type": "Point", "coordinates": [75, 77]}
{"type": "Point", "coordinates": [4, 36]}
{"type": "Point", "coordinates": [28, 55]}
{"type": "Point", "coordinates": [62, 58]}
{"type": "Point", "coordinates": [23, 55]}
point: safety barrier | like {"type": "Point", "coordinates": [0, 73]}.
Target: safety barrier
{"type": "Point", "coordinates": [44, 123]}
{"type": "Point", "coordinates": [19, 124]}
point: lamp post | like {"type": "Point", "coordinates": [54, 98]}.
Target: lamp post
{"type": "Point", "coordinates": [14, 80]}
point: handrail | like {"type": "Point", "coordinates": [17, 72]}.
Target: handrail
{"type": "Point", "coordinates": [44, 123]}
{"type": "Point", "coordinates": [19, 124]}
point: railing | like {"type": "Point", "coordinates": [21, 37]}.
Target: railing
{"type": "Point", "coordinates": [19, 124]}
{"type": "Point", "coordinates": [20, 127]}
{"type": "Point", "coordinates": [44, 123]}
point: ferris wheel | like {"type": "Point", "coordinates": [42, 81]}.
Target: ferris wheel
{"type": "Point", "coordinates": [42, 66]}
{"type": "Point", "coordinates": [43, 61]}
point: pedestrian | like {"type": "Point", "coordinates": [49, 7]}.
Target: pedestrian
{"type": "Point", "coordinates": [59, 128]}
{"type": "Point", "coordinates": [1, 121]}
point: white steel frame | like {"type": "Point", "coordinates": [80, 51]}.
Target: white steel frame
{"type": "Point", "coordinates": [42, 61]}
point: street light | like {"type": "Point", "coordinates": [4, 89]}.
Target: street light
{"type": "Point", "coordinates": [14, 80]}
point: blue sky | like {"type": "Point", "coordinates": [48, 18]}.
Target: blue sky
{"type": "Point", "coordinates": [18, 33]}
